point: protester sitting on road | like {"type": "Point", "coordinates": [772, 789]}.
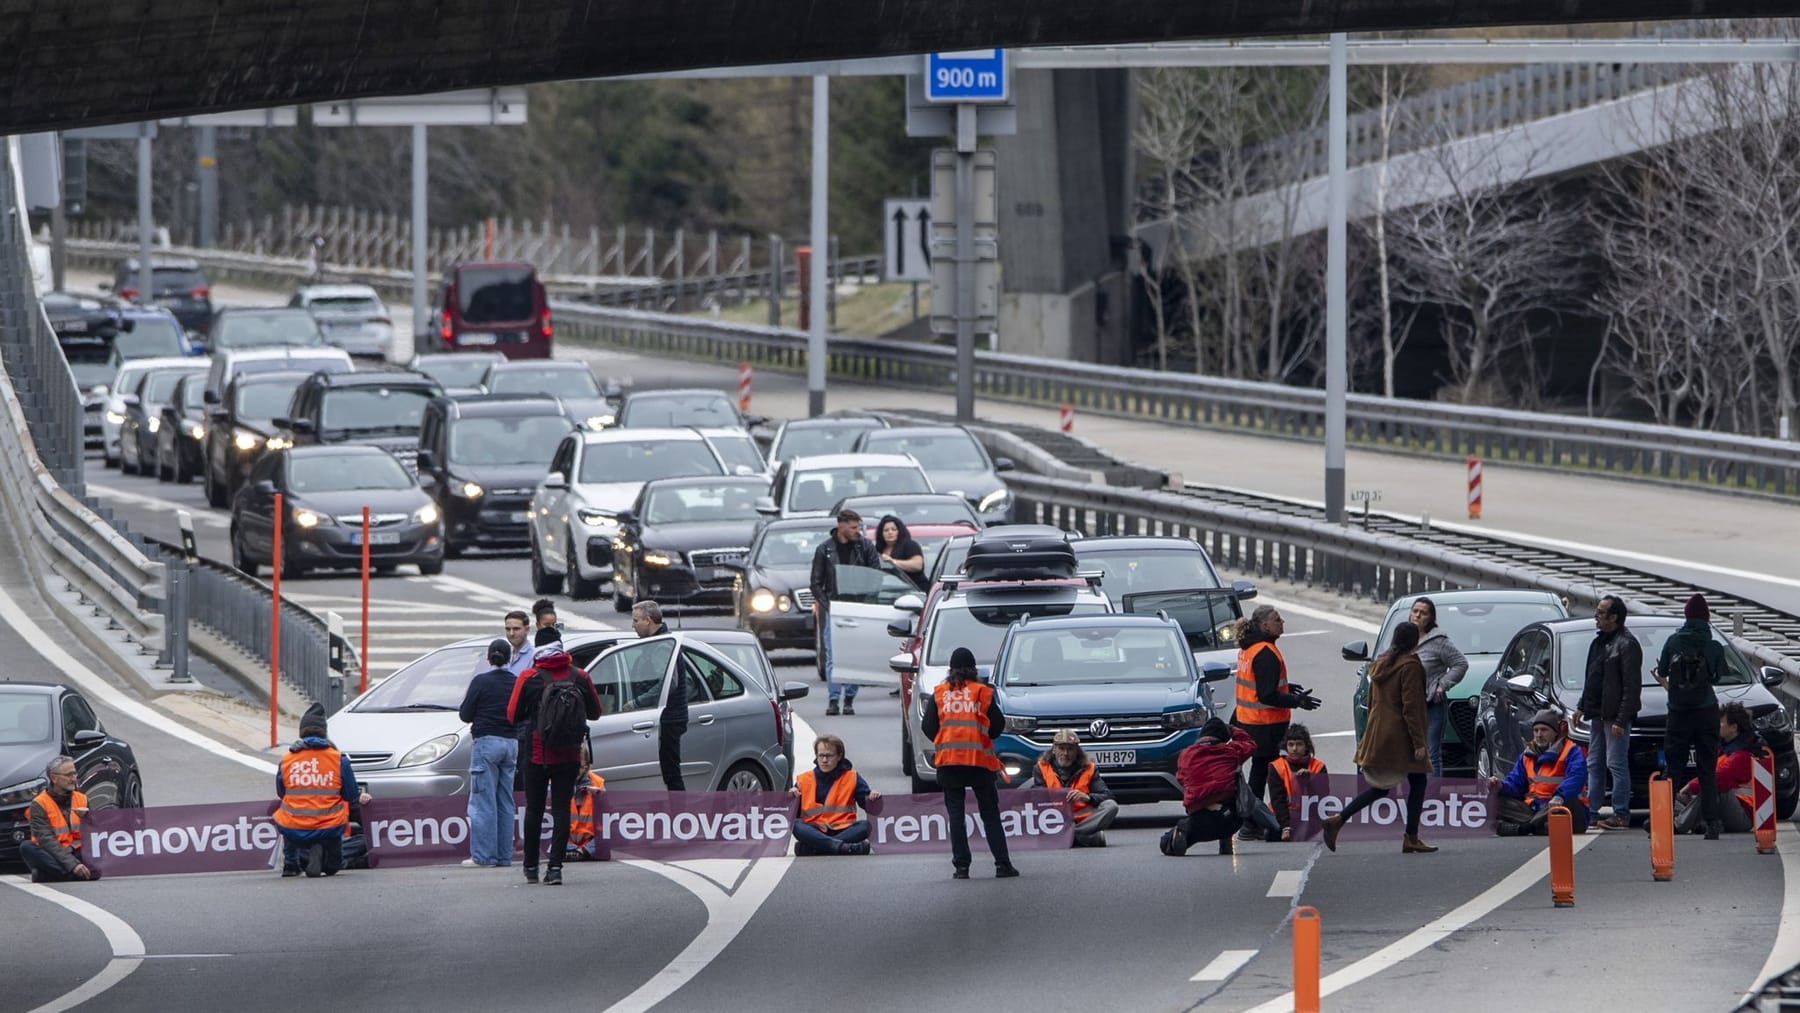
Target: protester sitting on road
{"type": "Point", "coordinates": [582, 842]}
{"type": "Point", "coordinates": [1065, 767]}
{"type": "Point", "coordinates": [829, 794]}
{"type": "Point", "coordinates": [53, 853]}
{"type": "Point", "coordinates": [1393, 745]}
{"type": "Point", "coordinates": [316, 786]}
{"type": "Point", "coordinates": [1738, 749]}
{"type": "Point", "coordinates": [1208, 772]}
{"type": "Point", "coordinates": [1551, 772]}
{"type": "Point", "coordinates": [1290, 774]}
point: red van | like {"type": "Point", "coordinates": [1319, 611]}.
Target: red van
{"type": "Point", "coordinates": [494, 306]}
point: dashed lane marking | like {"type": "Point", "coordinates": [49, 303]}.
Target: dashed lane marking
{"type": "Point", "coordinates": [1225, 965]}
{"type": "Point", "coordinates": [1287, 884]}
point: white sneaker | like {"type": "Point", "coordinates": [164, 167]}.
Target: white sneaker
{"type": "Point", "coordinates": [470, 863]}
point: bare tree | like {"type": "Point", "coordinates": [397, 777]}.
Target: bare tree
{"type": "Point", "coordinates": [1393, 86]}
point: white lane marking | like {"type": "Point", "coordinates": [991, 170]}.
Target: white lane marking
{"type": "Point", "coordinates": [186, 956]}
{"type": "Point", "coordinates": [1348, 622]}
{"type": "Point", "coordinates": [1333, 735]}
{"type": "Point", "coordinates": [101, 690]}
{"type": "Point", "coordinates": [1304, 633]}
{"type": "Point", "coordinates": [726, 915]}
{"type": "Point", "coordinates": [1225, 965]}
{"type": "Point", "coordinates": [1786, 951]}
{"type": "Point", "coordinates": [804, 737]}
{"type": "Point", "coordinates": [1431, 933]}
{"type": "Point", "coordinates": [200, 514]}
{"type": "Point", "coordinates": [127, 947]}
{"type": "Point", "coordinates": [1287, 884]}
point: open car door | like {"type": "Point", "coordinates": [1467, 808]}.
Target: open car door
{"type": "Point", "coordinates": [860, 642]}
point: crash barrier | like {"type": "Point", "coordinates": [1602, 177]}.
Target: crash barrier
{"type": "Point", "coordinates": [1454, 807]}
{"type": "Point", "coordinates": [41, 446]}
{"type": "Point", "coordinates": [655, 825]}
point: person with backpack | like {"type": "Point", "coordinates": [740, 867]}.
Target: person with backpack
{"type": "Point", "coordinates": [1690, 665]}
{"type": "Point", "coordinates": [1610, 699]}
{"type": "Point", "coordinates": [555, 700]}
{"type": "Point", "coordinates": [1740, 749]}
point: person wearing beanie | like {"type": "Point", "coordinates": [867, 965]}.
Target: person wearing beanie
{"type": "Point", "coordinates": [1691, 663]}
{"type": "Point", "coordinates": [316, 788]}
{"type": "Point", "coordinates": [493, 759]}
{"type": "Point", "coordinates": [1610, 699]}
{"type": "Point", "coordinates": [549, 768]}
{"type": "Point", "coordinates": [1550, 772]}
{"type": "Point", "coordinates": [1065, 767]}
{"type": "Point", "coordinates": [1208, 773]}
{"type": "Point", "coordinates": [963, 719]}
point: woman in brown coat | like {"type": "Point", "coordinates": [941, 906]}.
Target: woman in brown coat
{"type": "Point", "coordinates": [1394, 743]}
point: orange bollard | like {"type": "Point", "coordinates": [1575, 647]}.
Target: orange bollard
{"type": "Point", "coordinates": [1662, 828]}
{"type": "Point", "coordinates": [1562, 858]}
{"type": "Point", "coordinates": [1306, 960]}
{"type": "Point", "coordinates": [1762, 797]}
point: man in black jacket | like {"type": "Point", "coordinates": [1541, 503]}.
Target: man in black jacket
{"type": "Point", "coordinates": [1691, 664]}
{"type": "Point", "coordinates": [493, 760]}
{"type": "Point", "coordinates": [845, 546]}
{"type": "Point", "coordinates": [1610, 699]}
{"type": "Point", "coordinates": [647, 621]}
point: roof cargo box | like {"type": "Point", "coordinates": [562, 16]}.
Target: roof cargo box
{"type": "Point", "coordinates": [1027, 557]}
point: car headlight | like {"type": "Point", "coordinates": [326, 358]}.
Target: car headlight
{"type": "Point", "coordinates": [1012, 770]}
{"type": "Point", "coordinates": [999, 499]}
{"type": "Point", "coordinates": [197, 431]}
{"type": "Point", "coordinates": [596, 517]}
{"type": "Point", "coordinates": [654, 558]}
{"type": "Point", "coordinates": [153, 424]}
{"type": "Point", "coordinates": [429, 752]}
{"type": "Point", "coordinates": [1193, 717]}
{"type": "Point", "coordinates": [1020, 725]}
{"type": "Point", "coordinates": [115, 418]}
{"type": "Point", "coordinates": [427, 514]}
{"type": "Point", "coordinates": [244, 439]}
{"type": "Point", "coordinates": [1776, 720]}
{"type": "Point", "coordinates": [471, 490]}
{"type": "Point", "coordinates": [24, 791]}
{"type": "Point", "coordinates": [278, 443]}
{"type": "Point", "coordinates": [599, 421]}
{"type": "Point", "coordinates": [762, 600]}
{"type": "Point", "coordinates": [310, 518]}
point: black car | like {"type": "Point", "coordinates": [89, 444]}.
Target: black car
{"type": "Point", "coordinates": [1544, 666]}
{"type": "Point", "coordinates": [324, 490]}
{"type": "Point", "coordinates": [683, 538]}
{"type": "Point", "coordinates": [85, 328]}
{"type": "Point", "coordinates": [181, 436]}
{"type": "Point", "coordinates": [143, 416]}
{"type": "Point", "coordinates": [38, 721]}
{"type": "Point", "coordinates": [457, 372]}
{"type": "Point", "coordinates": [771, 596]}
{"type": "Point", "coordinates": [698, 407]}
{"type": "Point", "coordinates": [824, 434]}
{"type": "Point", "coordinates": [177, 285]}
{"type": "Point", "coordinates": [263, 327]}
{"type": "Point", "coordinates": [381, 408]}
{"type": "Point", "coordinates": [241, 428]}
{"type": "Point", "coordinates": [481, 457]}
{"type": "Point", "coordinates": [587, 404]}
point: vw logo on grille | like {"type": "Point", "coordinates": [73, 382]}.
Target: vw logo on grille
{"type": "Point", "coordinates": [1100, 729]}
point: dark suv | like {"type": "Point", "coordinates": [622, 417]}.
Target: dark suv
{"type": "Point", "coordinates": [177, 285]}
{"type": "Point", "coordinates": [481, 457]}
{"type": "Point", "coordinates": [241, 428]}
{"type": "Point", "coordinates": [382, 408]}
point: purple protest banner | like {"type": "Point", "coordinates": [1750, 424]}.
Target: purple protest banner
{"type": "Point", "coordinates": [918, 825]}
{"type": "Point", "coordinates": [222, 837]}
{"type": "Point", "coordinates": [1454, 807]}
{"type": "Point", "coordinates": [667, 826]}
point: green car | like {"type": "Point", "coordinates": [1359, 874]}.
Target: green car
{"type": "Point", "coordinates": [1480, 622]}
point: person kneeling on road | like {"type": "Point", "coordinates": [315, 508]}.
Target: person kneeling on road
{"type": "Point", "coordinates": [316, 787]}
{"type": "Point", "coordinates": [588, 783]}
{"type": "Point", "coordinates": [1738, 749]}
{"type": "Point", "coordinates": [1292, 771]}
{"type": "Point", "coordinates": [53, 854]}
{"type": "Point", "coordinates": [829, 794]}
{"type": "Point", "coordinates": [1208, 772]}
{"type": "Point", "coordinates": [1065, 765]}
{"type": "Point", "coordinates": [1551, 772]}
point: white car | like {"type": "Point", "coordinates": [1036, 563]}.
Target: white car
{"type": "Point", "coordinates": [574, 515]}
{"type": "Point", "coordinates": [811, 486]}
{"type": "Point", "coordinates": [130, 372]}
{"type": "Point", "coordinates": [352, 317]}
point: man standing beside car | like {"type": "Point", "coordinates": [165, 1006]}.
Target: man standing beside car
{"type": "Point", "coordinates": [845, 546]}
{"type": "Point", "coordinates": [1691, 664]}
{"type": "Point", "coordinates": [1610, 699]}
{"type": "Point", "coordinates": [647, 621]}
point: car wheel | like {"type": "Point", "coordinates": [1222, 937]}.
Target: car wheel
{"type": "Point", "coordinates": [178, 472]}
{"type": "Point", "coordinates": [162, 470]}
{"type": "Point", "coordinates": [215, 493]}
{"type": "Point", "coordinates": [580, 588]}
{"type": "Point", "coordinates": [746, 776]}
{"type": "Point", "coordinates": [432, 567]}
{"type": "Point", "coordinates": [541, 582]}
{"type": "Point", "coordinates": [1486, 762]}
{"type": "Point", "coordinates": [134, 793]}
{"type": "Point", "coordinates": [387, 569]}
{"type": "Point", "coordinates": [907, 766]}
{"type": "Point", "coordinates": [240, 558]}
{"type": "Point", "coordinates": [621, 600]}
{"type": "Point", "coordinates": [128, 467]}
{"type": "Point", "coordinates": [107, 459]}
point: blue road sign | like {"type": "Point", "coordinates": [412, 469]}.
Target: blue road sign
{"type": "Point", "coordinates": [968, 75]}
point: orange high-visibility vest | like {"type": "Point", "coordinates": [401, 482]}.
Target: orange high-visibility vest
{"type": "Point", "coordinates": [66, 828]}
{"type": "Point", "coordinates": [836, 810]}
{"type": "Point", "coordinates": [1251, 711]}
{"type": "Point", "coordinates": [962, 738]}
{"type": "Point", "coordinates": [312, 790]}
{"type": "Point", "coordinates": [1047, 774]}
{"type": "Point", "coordinates": [1284, 767]}
{"type": "Point", "coordinates": [1543, 781]}
{"type": "Point", "coordinates": [581, 810]}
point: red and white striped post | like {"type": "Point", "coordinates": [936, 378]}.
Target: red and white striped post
{"type": "Point", "coordinates": [1474, 488]}
{"type": "Point", "coordinates": [1762, 798]}
{"type": "Point", "coordinates": [1065, 418]}
{"type": "Point", "coordinates": [743, 386]}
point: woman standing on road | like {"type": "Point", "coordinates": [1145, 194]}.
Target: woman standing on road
{"type": "Point", "coordinates": [1393, 743]}
{"type": "Point", "coordinates": [962, 719]}
{"type": "Point", "coordinates": [1445, 666]}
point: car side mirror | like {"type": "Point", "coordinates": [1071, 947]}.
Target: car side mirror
{"type": "Point", "coordinates": [283, 422]}
{"type": "Point", "coordinates": [1245, 590]}
{"type": "Point", "coordinates": [627, 517]}
{"type": "Point", "coordinates": [210, 397]}
{"type": "Point", "coordinates": [1216, 671]}
{"type": "Point", "coordinates": [427, 461]}
{"type": "Point", "coordinates": [87, 738]}
{"type": "Point", "coordinates": [98, 390]}
{"type": "Point", "coordinates": [794, 690]}
{"type": "Point", "coordinates": [301, 426]}
{"type": "Point", "coordinates": [105, 286]}
{"type": "Point", "coordinates": [1004, 464]}
{"type": "Point", "coordinates": [265, 487]}
{"type": "Point", "coordinates": [753, 421]}
{"type": "Point", "coordinates": [130, 401]}
{"type": "Point", "coordinates": [1772, 677]}
{"type": "Point", "coordinates": [910, 602]}
{"type": "Point", "coordinates": [900, 628]}
{"type": "Point", "coordinates": [1522, 684]}
{"type": "Point", "coordinates": [219, 415]}
{"type": "Point", "coordinates": [555, 480]}
{"type": "Point", "coordinates": [1356, 650]}
{"type": "Point", "coordinates": [902, 663]}
{"type": "Point", "coordinates": [765, 505]}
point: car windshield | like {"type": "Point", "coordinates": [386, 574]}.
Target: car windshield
{"type": "Point", "coordinates": [1574, 644]}
{"type": "Point", "coordinates": [24, 718]}
{"type": "Point", "coordinates": [1477, 627]}
{"type": "Point", "coordinates": [495, 295]}
{"type": "Point", "coordinates": [348, 305]}
{"type": "Point", "coordinates": [739, 452]}
{"type": "Point", "coordinates": [1127, 571]}
{"type": "Point", "coordinates": [788, 547]}
{"type": "Point", "coordinates": [148, 337]}
{"type": "Point", "coordinates": [435, 682]}
{"type": "Point", "coordinates": [193, 395]}
{"type": "Point", "coordinates": [647, 461]}
{"type": "Point", "coordinates": [291, 363]}
{"type": "Point", "coordinates": [1207, 617]}
{"type": "Point", "coordinates": [518, 439]}
{"type": "Point", "coordinates": [868, 586]}
{"type": "Point", "coordinates": [819, 490]}
{"type": "Point", "coordinates": [1091, 656]}
{"type": "Point", "coordinates": [936, 452]}
{"type": "Point", "coordinates": [664, 411]}
{"type": "Point", "coordinates": [372, 410]}
{"type": "Point", "coordinates": [806, 441]}
{"type": "Point", "coordinates": [88, 372]}
{"type": "Point", "coordinates": [453, 372]}
{"type": "Point", "coordinates": [947, 510]}
{"type": "Point", "coordinates": [255, 330]}
{"type": "Point", "coordinates": [345, 472]}
{"type": "Point", "coordinates": [262, 400]}
{"type": "Point", "coordinates": [981, 628]}
{"type": "Point", "coordinates": [161, 383]}
{"type": "Point", "coordinates": [128, 379]}
{"type": "Point", "coordinates": [554, 382]}
{"type": "Point", "coordinates": [686, 504]}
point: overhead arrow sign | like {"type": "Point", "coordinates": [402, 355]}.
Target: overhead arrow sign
{"type": "Point", "coordinates": [906, 225]}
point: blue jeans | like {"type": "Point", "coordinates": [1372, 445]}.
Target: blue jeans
{"type": "Point", "coordinates": [493, 759]}
{"type": "Point", "coordinates": [810, 840]}
{"type": "Point", "coordinates": [833, 689]}
{"type": "Point", "coordinates": [1437, 715]}
{"type": "Point", "coordinates": [1609, 754]}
